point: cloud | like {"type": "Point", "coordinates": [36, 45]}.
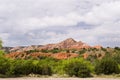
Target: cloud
{"type": "Point", "coordinates": [105, 13]}
{"type": "Point", "coordinates": [70, 19]}
{"type": "Point", "coordinates": [28, 22]}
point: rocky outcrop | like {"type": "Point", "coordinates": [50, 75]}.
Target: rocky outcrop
{"type": "Point", "coordinates": [17, 49]}
{"type": "Point", "coordinates": [65, 55]}
{"type": "Point", "coordinates": [66, 44]}
{"type": "Point", "coordinates": [69, 44]}
{"type": "Point", "coordinates": [24, 48]}
{"type": "Point", "coordinates": [6, 49]}
{"type": "Point", "coordinates": [98, 47]}
{"type": "Point", "coordinates": [39, 55]}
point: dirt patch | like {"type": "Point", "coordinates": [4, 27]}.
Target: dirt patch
{"type": "Point", "coordinates": [58, 78]}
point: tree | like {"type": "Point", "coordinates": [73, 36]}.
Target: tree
{"type": "Point", "coordinates": [107, 66]}
{"type": "Point", "coordinates": [1, 51]}
{"type": "Point", "coordinates": [78, 68]}
{"type": "Point", "coordinates": [0, 43]}
{"type": "Point", "coordinates": [117, 48]}
{"type": "Point", "coordinates": [116, 57]}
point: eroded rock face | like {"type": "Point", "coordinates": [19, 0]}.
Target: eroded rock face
{"type": "Point", "coordinates": [66, 44]}
{"type": "Point", "coordinates": [65, 55]}
{"type": "Point", "coordinates": [38, 55]}
{"type": "Point", "coordinates": [69, 44]}
{"type": "Point", "coordinates": [17, 49]}
{"type": "Point", "coordinates": [98, 47]}
{"type": "Point", "coordinates": [24, 48]}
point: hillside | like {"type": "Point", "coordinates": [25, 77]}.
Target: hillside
{"type": "Point", "coordinates": [66, 44]}
{"type": "Point", "coordinates": [65, 49]}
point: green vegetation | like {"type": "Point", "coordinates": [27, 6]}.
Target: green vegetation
{"type": "Point", "coordinates": [104, 61]}
{"type": "Point", "coordinates": [23, 67]}
{"type": "Point", "coordinates": [0, 43]}
{"type": "Point", "coordinates": [55, 50]}
{"type": "Point", "coordinates": [78, 68]}
{"type": "Point", "coordinates": [107, 66]}
{"type": "Point", "coordinates": [31, 51]}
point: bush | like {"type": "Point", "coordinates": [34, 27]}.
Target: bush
{"type": "Point", "coordinates": [116, 57]}
{"type": "Point", "coordinates": [107, 66]}
{"type": "Point", "coordinates": [4, 65]}
{"type": "Point", "coordinates": [44, 51]}
{"type": "Point", "coordinates": [82, 51]}
{"type": "Point", "coordinates": [78, 69]}
{"type": "Point", "coordinates": [0, 43]}
{"type": "Point", "coordinates": [117, 48]}
{"type": "Point", "coordinates": [32, 51]}
{"type": "Point", "coordinates": [22, 67]}
{"type": "Point", "coordinates": [46, 70]}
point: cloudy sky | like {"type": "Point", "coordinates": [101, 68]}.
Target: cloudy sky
{"type": "Point", "coordinates": [35, 22]}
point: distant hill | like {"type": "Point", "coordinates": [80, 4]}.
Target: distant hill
{"type": "Point", "coordinates": [68, 48]}
{"type": "Point", "coordinates": [66, 44]}
{"type": "Point", "coordinates": [7, 49]}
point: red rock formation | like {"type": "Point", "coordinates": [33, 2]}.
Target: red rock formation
{"type": "Point", "coordinates": [66, 44]}
{"type": "Point", "coordinates": [36, 55]}
{"type": "Point", "coordinates": [85, 55]}
{"type": "Point", "coordinates": [98, 47]}
{"type": "Point", "coordinates": [65, 55]}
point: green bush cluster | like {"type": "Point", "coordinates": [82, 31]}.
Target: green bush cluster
{"type": "Point", "coordinates": [107, 66]}
{"type": "Point", "coordinates": [31, 51]}
{"type": "Point", "coordinates": [55, 50]}
{"type": "Point", "coordinates": [23, 67]}
{"type": "Point", "coordinates": [4, 65]}
{"type": "Point", "coordinates": [77, 69]}
{"type": "Point", "coordinates": [77, 66]}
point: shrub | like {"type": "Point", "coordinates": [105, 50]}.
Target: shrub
{"type": "Point", "coordinates": [106, 66]}
{"type": "Point", "coordinates": [92, 58]}
{"type": "Point", "coordinates": [11, 68]}
{"type": "Point", "coordinates": [32, 51]}
{"type": "Point", "coordinates": [44, 51]}
{"type": "Point", "coordinates": [46, 70]}
{"type": "Point", "coordinates": [55, 50]}
{"type": "Point", "coordinates": [82, 51]}
{"type": "Point", "coordinates": [22, 67]}
{"type": "Point", "coordinates": [0, 43]}
{"type": "Point", "coordinates": [116, 57]}
{"type": "Point", "coordinates": [117, 48]}
{"type": "Point", "coordinates": [78, 69]}
{"type": "Point", "coordinates": [4, 65]}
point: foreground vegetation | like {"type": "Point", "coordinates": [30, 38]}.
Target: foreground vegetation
{"type": "Point", "coordinates": [73, 67]}
{"type": "Point", "coordinates": [77, 67]}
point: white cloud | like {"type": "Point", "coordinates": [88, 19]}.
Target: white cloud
{"type": "Point", "coordinates": [70, 19]}
{"type": "Point", "coordinates": [104, 13]}
{"type": "Point", "coordinates": [26, 22]}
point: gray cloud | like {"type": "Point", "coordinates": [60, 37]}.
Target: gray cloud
{"type": "Point", "coordinates": [27, 22]}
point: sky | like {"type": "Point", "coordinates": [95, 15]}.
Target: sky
{"type": "Point", "coordinates": [39, 22]}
